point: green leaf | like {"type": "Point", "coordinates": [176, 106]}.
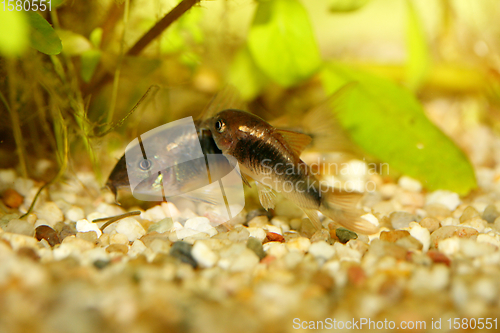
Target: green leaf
{"type": "Point", "coordinates": [96, 37]}
{"type": "Point", "coordinates": [245, 75]}
{"type": "Point", "coordinates": [43, 37]}
{"type": "Point", "coordinates": [282, 43]}
{"type": "Point", "coordinates": [418, 60]}
{"type": "Point", "coordinates": [90, 60]}
{"type": "Point", "coordinates": [73, 43]}
{"type": "Point", "coordinates": [13, 33]}
{"type": "Point", "coordinates": [389, 123]}
{"type": "Point", "coordinates": [345, 6]}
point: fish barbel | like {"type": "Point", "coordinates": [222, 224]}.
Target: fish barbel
{"type": "Point", "coordinates": [271, 157]}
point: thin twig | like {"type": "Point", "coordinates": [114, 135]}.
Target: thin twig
{"type": "Point", "coordinates": [113, 219]}
{"type": "Point", "coordinates": [147, 38]}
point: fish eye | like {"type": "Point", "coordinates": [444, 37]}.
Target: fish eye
{"type": "Point", "coordinates": [220, 126]}
{"type": "Point", "coordinates": [145, 165]}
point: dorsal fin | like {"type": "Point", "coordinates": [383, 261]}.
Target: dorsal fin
{"type": "Point", "coordinates": [297, 141]}
{"type": "Point", "coordinates": [227, 98]}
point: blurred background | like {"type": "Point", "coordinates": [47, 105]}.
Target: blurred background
{"type": "Point", "coordinates": [68, 79]}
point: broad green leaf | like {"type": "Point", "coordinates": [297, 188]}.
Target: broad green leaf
{"type": "Point", "coordinates": [13, 33]}
{"type": "Point", "coordinates": [282, 43]}
{"type": "Point", "coordinates": [245, 75]}
{"type": "Point", "coordinates": [346, 5]}
{"type": "Point", "coordinates": [418, 58]}
{"type": "Point", "coordinates": [89, 61]}
{"type": "Point", "coordinates": [389, 123]}
{"type": "Point", "coordinates": [73, 43]}
{"type": "Point", "coordinates": [96, 37]}
{"type": "Point", "coordinates": [43, 37]}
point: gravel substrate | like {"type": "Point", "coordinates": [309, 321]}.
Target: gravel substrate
{"type": "Point", "coordinates": [436, 257]}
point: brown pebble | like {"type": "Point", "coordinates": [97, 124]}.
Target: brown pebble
{"type": "Point", "coordinates": [430, 224]}
{"type": "Point", "coordinates": [438, 257]}
{"type": "Point", "coordinates": [121, 248]}
{"type": "Point", "coordinates": [356, 275]}
{"type": "Point", "coordinates": [47, 233]}
{"type": "Point", "coordinates": [28, 252]}
{"type": "Point", "coordinates": [410, 243]}
{"type": "Point", "coordinates": [451, 231]}
{"type": "Point", "coordinates": [274, 237]}
{"type": "Point", "coordinates": [469, 213]}
{"type": "Point", "coordinates": [268, 259]}
{"type": "Point", "coordinates": [12, 199]}
{"type": "Point", "coordinates": [394, 235]}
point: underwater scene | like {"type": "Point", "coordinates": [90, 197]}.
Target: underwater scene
{"type": "Point", "coordinates": [249, 165]}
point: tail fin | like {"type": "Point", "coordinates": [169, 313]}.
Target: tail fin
{"type": "Point", "coordinates": [340, 206]}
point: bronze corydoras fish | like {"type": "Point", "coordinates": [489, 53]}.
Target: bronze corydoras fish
{"type": "Point", "coordinates": [272, 158]}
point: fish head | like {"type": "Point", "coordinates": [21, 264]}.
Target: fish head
{"type": "Point", "coordinates": [230, 126]}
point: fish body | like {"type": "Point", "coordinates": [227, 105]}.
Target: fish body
{"type": "Point", "coordinates": [166, 163]}
{"type": "Point", "coordinates": [272, 158]}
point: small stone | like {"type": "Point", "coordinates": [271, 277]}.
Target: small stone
{"type": "Point", "coordinates": [410, 243]}
{"type": "Point", "coordinates": [371, 218]}
{"type": "Point", "coordinates": [201, 224]}
{"type": "Point", "coordinates": [409, 184]}
{"type": "Point", "coordinates": [281, 222]}
{"type": "Point", "coordinates": [258, 212]}
{"type": "Point", "coordinates": [272, 228]}
{"type": "Point", "coordinates": [47, 233]}
{"type": "Point", "coordinates": [117, 239]}
{"type": "Point", "coordinates": [84, 225]}
{"type": "Point", "coordinates": [120, 248]}
{"type": "Point", "coordinates": [67, 230]}
{"type": "Point", "coordinates": [23, 186]}
{"type": "Point", "coordinates": [161, 226]}
{"type": "Point", "coordinates": [295, 224]}
{"type": "Point", "coordinates": [322, 250]}
{"type": "Point", "coordinates": [246, 260]}
{"type": "Point", "coordinates": [274, 237]}
{"type": "Point", "coordinates": [430, 224]}
{"type": "Point", "coordinates": [28, 252]}
{"type": "Point", "coordinates": [477, 223]}
{"type": "Point", "coordinates": [154, 214]}
{"type": "Point", "coordinates": [400, 220]}
{"type": "Point", "coordinates": [131, 228]}
{"type": "Point", "coordinates": [258, 222]}
{"type": "Point", "coordinates": [468, 214]}
{"type": "Point", "coordinates": [438, 257]}
{"type": "Point", "coordinates": [490, 213]}
{"type": "Point", "coordinates": [449, 221]}
{"type": "Point", "coordinates": [258, 233]}
{"type": "Point", "coordinates": [381, 248]}
{"type": "Point", "coordinates": [356, 275]}
{"type": "Point", "coordinates": [275, 249]}
{"type": "Point", "coordinates": [451, 231]}
{"type": "Point", "coordinates": [393, 235]}
{"type": "Point", "coordinates": [238, 234]}
{"type": "Point", "coordinates": [75, 213]}
{"type": "Point", "coordinates": [437, 211]}
{"type": "Point", "coordinates": [12, 199]}
{"type": "Point", "coordinates": [421, 234]}
{"type": "Point", "coordinates": [322, 235]}
{"type": "Point", "coordinates": [344, 235]}
{"type": "Point", "coordinates": [203, 255]}
{"type": "Point", "coordinates": [300, 244]}
{"type": "Point", "coordinates": [449, 199]}
{"type": "Point", "coordinates": [50, 212]}
{"type": "Point", "coordinates": [22, 227]}
{"type": "Point", "coordinates": [473, 249]}
{"type": "Point", "coordinates": [256, 246]}
{"type": "Point", "coordinates": [182, 251]}
{"type": "Point", "coordinates": [89, 236]}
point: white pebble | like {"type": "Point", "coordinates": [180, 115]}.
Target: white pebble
{"type": "Point", "coordinates": [488, 239]}
{"type": "Point", "coordinates": [275, 249]}
{"type": "Point", "coordinates": [449, 199]}
{"type": "Point", "coordinates": [23, 186]}
{"type": "Point", "coordinates": [300, 244]}
{"type": "Point", "coordinates": [131, 228]}
{"type": "Point", "coordinates": [258, 233]}
{"type": "Point", "coordinates": [203, 255]}
{"type": "Point", "coordinates": [50, 213]}
{"type": "Point", "coordinates": [137, 248]}
{"type": "Point", "coordinates": [118, 239]}
{"type": "Point", "coordinates": [344, 252]}
{"type": "Point", "coordinates": [84, 225]}
{"type": "Point", "coordinates": [486, 289]}
{"type": "Point", "coordinates": [75, 213]}
{"type": "Point", "coordinates": [7, 178]}
{"type": "Point", "coordinates": [201, 224]}
{"type": "Point", "coordinates": [410, 184]}
{"type": "Point", "coordinates": [246, 260]}
{"type": "Point", "coordinates": [154, 214]}
{"type": "Point", "coordinates": [450, 221]}
{"type": "Point", "coordinates": [322, 250]}
{"type": "Point", "coordinates": [421, 234]}
{"type": "Point", "coordinates": [273, 228]}
{"type": "Point", "coordinates": [449, 246]}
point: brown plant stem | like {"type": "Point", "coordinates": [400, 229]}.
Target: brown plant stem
{"type": "Point", "coordinates": [147, 38]}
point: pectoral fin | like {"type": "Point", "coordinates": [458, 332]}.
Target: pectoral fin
{"type": "Point", "coordinates": [297, 141]}
{"type": "Point", "coordinates": [266, 196]}
{"type": "Point", "coordinates": [313, 216]}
